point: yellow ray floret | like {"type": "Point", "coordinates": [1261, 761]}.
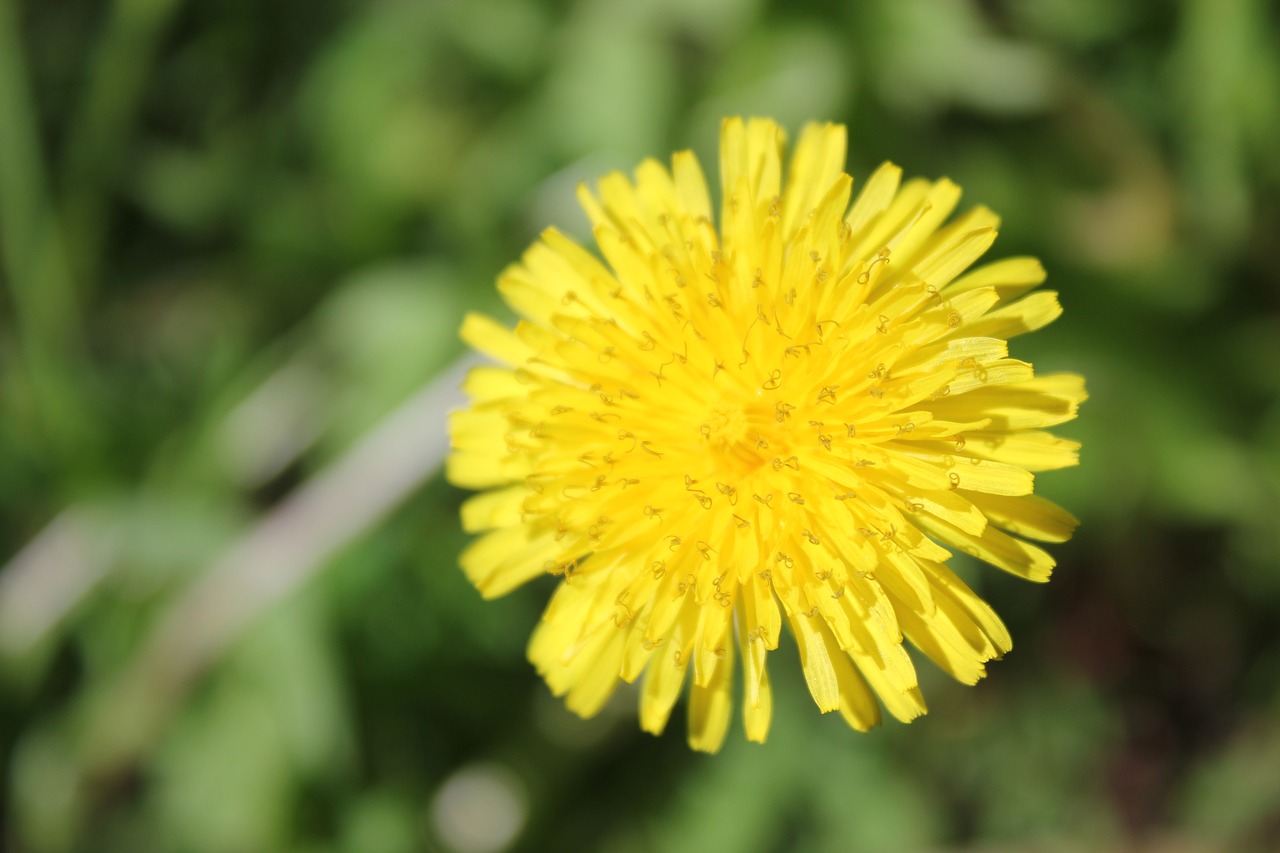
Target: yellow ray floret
{"type": "Point", "coordinates": [792, 416]}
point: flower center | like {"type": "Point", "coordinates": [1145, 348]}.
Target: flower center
{"type": "Point", "coordinates": [740, 438]}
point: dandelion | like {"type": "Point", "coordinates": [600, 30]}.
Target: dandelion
{"type": "Point", "coordinates": [795, 417]}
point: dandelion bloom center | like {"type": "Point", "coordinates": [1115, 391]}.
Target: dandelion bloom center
{"type": "Point", "coordinates": [792, 416]}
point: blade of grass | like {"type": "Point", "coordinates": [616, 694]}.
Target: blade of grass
{"type": "Point", "coordinates": [116, 78]}
{"type": "Point", "coordinates": [35, 270]}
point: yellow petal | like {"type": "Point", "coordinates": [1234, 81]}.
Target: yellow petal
{"type": "Point", "coordinates": [994, 478]}
{"type": "Point", "coordinates": [949, 506]}
{"type": "Point", "coordinates": [999, 549]}
{"type": "Point", "coordinates": [560, 280]}
{"type": "Point", "coordinates": [499, 562]}
{"type": "Point", "coordinates": [904, 578]}
{"type": "Point", "coordinates": [596, 677]}
{"type": "Point", "coordinates": [750, 151]}
{"type": "Point", "coordinates": [760, 609]}
{"type": "Point", "coordinates": [1026, 315]}
{"type": "Point", "coordinates": [1010, 277]}
{"type": "Point", "coordinates": [940, 267]}
{"type": "Point", "coordinates": [942, 643]}
{"type": "Point", "coordinates": [665, 675]}
{"type": "Point", "coordinates": [484, 384]}
{"type": "Point", "coordinates": [594, 209]}
{"type": "Point", "coordinates": [980, 625]}
{"type": "Point", "coordinates": [1034, 450]}
{"type": "Point", "coordinates": [691, 186]}
{"type": "Point", "coordinates": [902, 701]}
{"type": "Point", "coordinates": [817, 162]}
{"type": "Point", "coordinates": [483, 469]}
{"type": "Point", "coordinates": [766, 141]}
{"type": "Point", "coordinates": [757, 697]}
{"type": "Point", "coordinates": [840, 612]}
{"type": "Point", "coordinates": [876, 196]}
{"type": "Point", "coordinates": [632, 270]}
{"type": "Point", "coordinates": [929, 359]}
{"type": "Point", "coordinates": [636, 657]}
{"type": "Point", "coordinates": [918, 230]}
{"type": "Point", "coordinates": [714, 640]}
{"type": "Point", "coordinates": [710, 705]}
{"type": "Point", "coordinates": [622, 205]}
{"type": "Point", "coordinates": [1040, 402]}
{"type": "Point", "coordinates": [499, 508]}
{"type": "Point", "coordinates": [857, 703]}
{"type": "Point", "coordinates": [493, 339]}
{"type": "Point", "coordinates": [1007, 371]}
{"type": "Point", "coordinates": [657, 195]}
{"type": "Point", "coordinates": [1030, 516]}
{"type": "Point", "coordinates": [756, 717]}
{"type": "Point", "coordinates": [815, 660]}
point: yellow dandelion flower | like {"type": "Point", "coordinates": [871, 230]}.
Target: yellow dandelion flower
{"type": "Point", "coordinates": [790, 418]}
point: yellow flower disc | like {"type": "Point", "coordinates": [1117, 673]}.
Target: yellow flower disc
{"type": "Point", "coordinates": [791, 417]}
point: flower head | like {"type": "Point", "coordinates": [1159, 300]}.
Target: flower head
{"type": "Point", "coordinates": [789, 418]}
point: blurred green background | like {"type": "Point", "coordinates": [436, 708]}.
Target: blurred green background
{"type": "Point", "coordinates": [236, 239]}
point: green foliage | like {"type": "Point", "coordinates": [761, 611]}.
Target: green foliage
{"type": "Point", "coordinates": [236, 240]}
